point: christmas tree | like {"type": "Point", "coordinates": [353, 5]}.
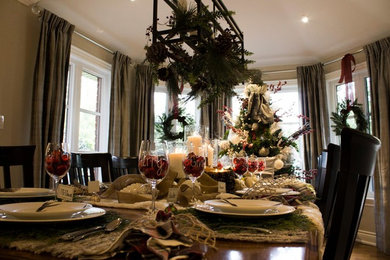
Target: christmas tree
{"type": "Point", "coordinates": [256, 131]}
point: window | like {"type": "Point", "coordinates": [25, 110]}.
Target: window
{"type": "Point", "coordinates": [87, 103]}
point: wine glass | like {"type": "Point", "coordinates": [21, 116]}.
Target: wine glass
{"type": "Point", "coordinates": [240, 165]}
{"type": "Point", "coordinates": [57, 162]}
{"type": "Point", "coordinates": [193, 166]}
{"type": "Point", "coordinates": [261, 165]}
{"type": "Point", "coordinates": [153, 165]}
{"type": "Point", "coordinates": [252, 164]}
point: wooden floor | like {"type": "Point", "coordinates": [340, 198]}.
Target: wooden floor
{"type": "Point", "coordinates": [365, 252]}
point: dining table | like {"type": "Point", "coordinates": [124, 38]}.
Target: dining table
{"type": "Point", "coordinates": [224, 247]}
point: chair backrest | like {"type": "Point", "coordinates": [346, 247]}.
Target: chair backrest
{"type": "Point", "coordinates": [84, 168]}
{"type": "Point", "coordinates": [321, 173]}
{"type": "Point", "coordinates": [357, 164]}
{"type": "Point", "coordinates": [18, 155]}
{"type": "Point", "coordinates": [328, 193]}
{"type": "Point", "coordinates": [124, 165]}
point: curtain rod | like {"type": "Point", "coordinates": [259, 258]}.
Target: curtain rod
{"type": "Point", "coordinates": [37, 10]}
{"type": "Point", "coordinates": [323, 63]}
{"type": "Point", "coordinates": [94, 42]}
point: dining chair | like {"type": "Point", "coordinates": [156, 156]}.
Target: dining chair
{"type": "Point", "coordinates": [124, 165]}
{"type": "Point", "coordinates": [87, 167]}
{"type": "Point", "coordinates": [18, 156]}
{"type": "Point", "coordinates": [320, 177]}
{"type": "Point", "coordinates": [357, 164]}
{"type": "Point", "coordinates": [328, 193]}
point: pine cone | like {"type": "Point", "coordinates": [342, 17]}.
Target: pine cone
{"type": "Point", "coordinates": [163, 74]}
{"type": "Point", "coordinates": [157, 53]}
{"type": "Point", "coordinates": [224, 42]}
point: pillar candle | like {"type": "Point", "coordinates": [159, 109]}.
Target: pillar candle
{"type": "Point", "coordinates": [196, 141]}
{"type": "Point", "coordinates": [176, 163]}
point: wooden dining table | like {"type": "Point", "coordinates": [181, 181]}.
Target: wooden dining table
{"type": "Point", "coordinates": [225, 249]}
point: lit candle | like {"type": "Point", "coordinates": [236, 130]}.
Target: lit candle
{"type": "Point", "coordinates": [210, 155]}
{"type": "Point", "coordinates": [176, 163]}
{"type": "Point", "coordinates": [196, 141]}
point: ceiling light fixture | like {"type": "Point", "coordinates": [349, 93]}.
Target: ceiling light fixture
{"type": "Point", "coordinates": [305, 19]}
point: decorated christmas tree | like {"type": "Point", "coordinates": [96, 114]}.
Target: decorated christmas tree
{"type": "Point", "coordinates": [256, 131]}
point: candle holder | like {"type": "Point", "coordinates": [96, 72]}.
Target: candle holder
{"type": "Point", "coordinates": [223, 175]}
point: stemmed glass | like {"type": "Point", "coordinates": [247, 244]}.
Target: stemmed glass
{"type": "Point", "coordinates": [57, 162]}
{"type": "Point", "coordinates": [261, 165]}
{"type": "Point", "coordinates": [193, 166]}
{"type": "Point", "coordinates": [153, 165]}
{"type": "Point", "coordinates": [240, 165]}
{"type": "Point", "coordinates": [252, 164]}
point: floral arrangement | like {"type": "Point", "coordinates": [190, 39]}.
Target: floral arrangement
{"type": "Point", "coordinates": [256, 131]}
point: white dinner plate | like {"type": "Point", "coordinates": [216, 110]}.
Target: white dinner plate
{"type": "Point", "coordinates": [272, 211]}
{"type": "Point", "coordinates": [26, 193]}
{"type": "Point", "coordinates": [86, 214]}
{"type": "Point", "coordinates": [243, 205]}
{"type": "Point", "coordinates": [57, 210]}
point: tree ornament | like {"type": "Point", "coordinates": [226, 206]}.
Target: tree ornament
{"type": "Point", "coordinates": [264, 151]}
{"type": "Point", "coordinates": [255, 126]}
{"type": "Point", "coordinates": [278, 164]}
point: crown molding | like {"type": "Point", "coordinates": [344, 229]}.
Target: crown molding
{"type": "Point", "coordinates": [28, 2]}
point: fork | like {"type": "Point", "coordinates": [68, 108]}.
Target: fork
{"type": "Point", "coordinates": [49, 203]}
{"type": "Point", "coordinates": [229, 202]}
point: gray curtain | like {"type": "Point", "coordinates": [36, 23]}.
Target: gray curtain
{"type": "Point", "coordinates": [210, 118]}
{"type": "Point", "coordinates": [142, 109]}
{"type": "Point", "coordinates": [378, 61]}
{"type": "Point", "coordinates": [312, 94]}
{"type": "Point", "coordinates": [49, 88]}
{"type": "Point", "coordinates": [121, 105]}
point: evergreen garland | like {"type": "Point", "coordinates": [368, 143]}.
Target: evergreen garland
{"type": "Point", "coordinates": [165, 125]}
{"type": "Point", "coordinates": [340, 117]}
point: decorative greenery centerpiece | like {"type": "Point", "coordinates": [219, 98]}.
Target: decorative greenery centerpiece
{"type": "Point", "coordinates": [340, 118]}
{"type": "Point", "coordinates": [257, 132]}
{"type": "Point", "coordinates": [209, 60]}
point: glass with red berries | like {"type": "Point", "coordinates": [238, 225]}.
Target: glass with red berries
{"type": "Point", "coordinates": [252, 164]}
{"type": "Point", "coordinates": [57, 162]}
{"type": "Point", "coordinates": [153, 165]}
{"type": "Point", "coordinates": [262, 163]}
{"type": "Point", "coordinates": [240, 165]}
{"type": "Point", "coordinates": [193, 166]}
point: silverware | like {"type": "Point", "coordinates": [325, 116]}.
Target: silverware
{"type": "Point", "coordinates": [229, 202]}
{"type": "Point", "coordinates": [81, 234]}
{"type": "Point", "coordinates": [47, 204]}
{"type": "Point", "coordinates": [264, 230]}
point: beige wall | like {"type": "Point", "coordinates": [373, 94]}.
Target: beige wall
{"type": "Point", "coordinates": [19, 30]}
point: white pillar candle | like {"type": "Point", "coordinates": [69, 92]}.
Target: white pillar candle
{"type": "Point", "coordinates": [176, 163]}
{"type": "Point", "coordinates": [196, 141]}
{"type": "Point", "coordinates": [210, 155]}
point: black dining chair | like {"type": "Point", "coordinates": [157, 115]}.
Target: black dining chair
{"type": "Point", "coordinates": [124, 165]}
{"type": "Point", "coordinates": [86, 167]}
{"type": "Point", "coordinates": [328, 193]}
{"type": "Point", "coordinates": [320, 176]}
{"type": "Point", "coordinates": [357, 164]}
{"type": "Point", "coordinates": [18, 156]}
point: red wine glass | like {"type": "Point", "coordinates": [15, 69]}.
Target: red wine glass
{"type": "Point", "coordinates": [153, 165]}
{"type": "Point", "coordinates": [57, 162]}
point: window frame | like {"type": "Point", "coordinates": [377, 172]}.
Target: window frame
{"type": "Point", "coordinates": [82, 61]}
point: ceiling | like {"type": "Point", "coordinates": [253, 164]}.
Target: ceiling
{"type": "Point", "coordinates": [272, 29]}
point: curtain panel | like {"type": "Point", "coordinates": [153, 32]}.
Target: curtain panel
{"type": "Point", "coordinates": [312, 93]}
{"type": "Point", "coordinates": [378, 62]}
{"type": "Point", "coordinates": [142, 109]}
{"type": "Point", "coordinates": [211, 119]}
{"type": "Point", "coordinates": [121, 102]}
{"type": "Point", "coordinates": [49, 88]}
